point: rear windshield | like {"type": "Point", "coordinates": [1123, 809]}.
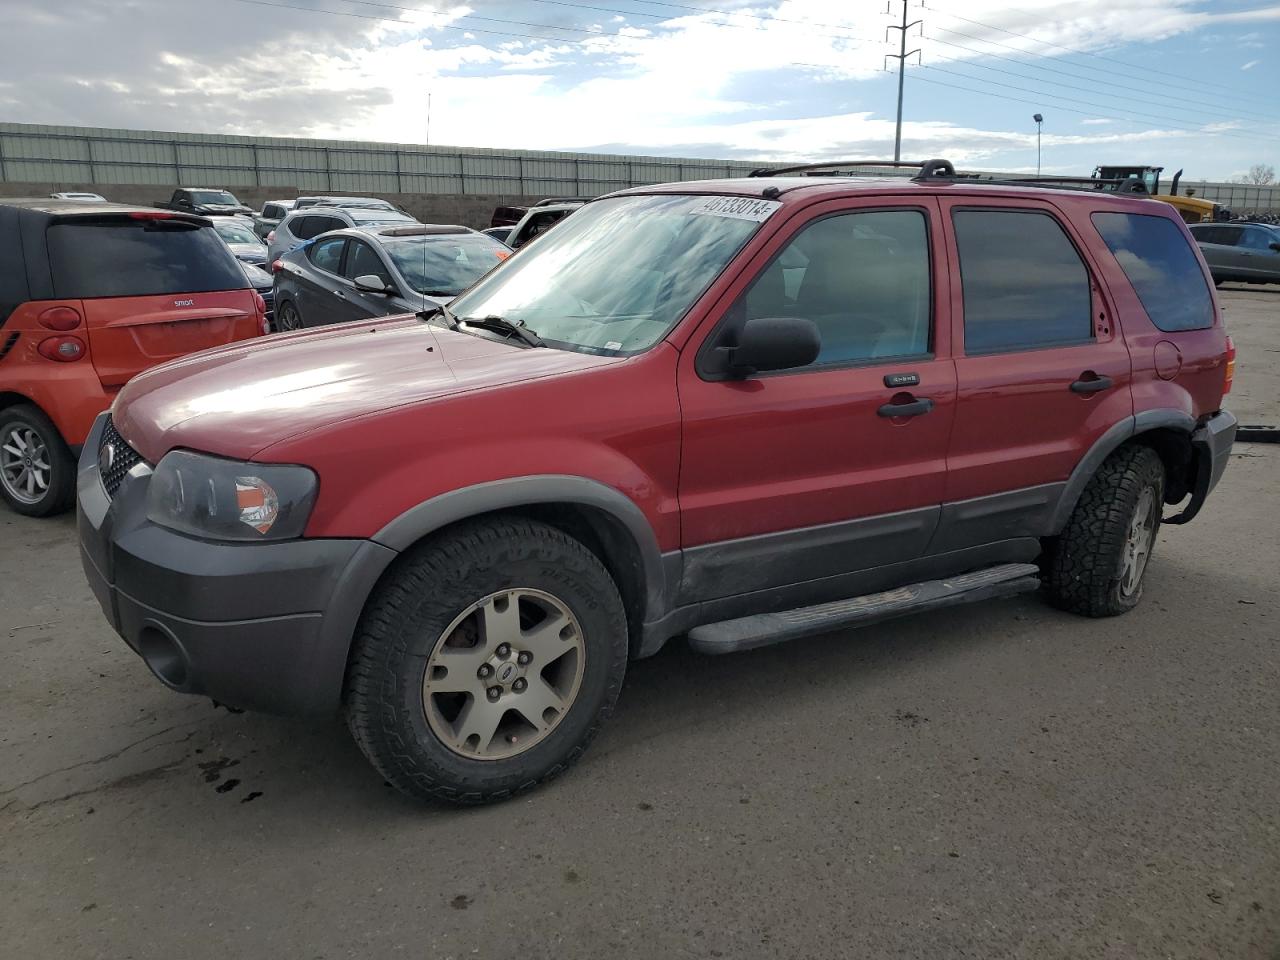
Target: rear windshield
{"type": "Point", "coordinates": [138, 258]}
{"type": "Point", "coordinates": [1162, 267]}
{"type": "Point", "coordinates": [214, 196]}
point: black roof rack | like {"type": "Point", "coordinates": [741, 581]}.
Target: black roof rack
{"type": "Point", "coordinates": [808, 168]}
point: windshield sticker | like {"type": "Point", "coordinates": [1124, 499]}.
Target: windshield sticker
{"type": "Point", "coordinates": [739, 208]}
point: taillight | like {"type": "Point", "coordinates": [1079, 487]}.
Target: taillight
{"type": "Point", "coordinates": [1231, 366]}
{"type": "Point", "coordinates": [62, 349]}
{"type": "Point", "coordinates": [260, 303]}
{"type": "Point", "coordinates": [152, 215]}
{"type": "Point", "coordinates": [277, 266]}
{"type": "Point", "coordinates": [59, 318]}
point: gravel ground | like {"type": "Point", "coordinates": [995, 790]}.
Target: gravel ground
{"type": "Point", "coordinates": [1000, 780]}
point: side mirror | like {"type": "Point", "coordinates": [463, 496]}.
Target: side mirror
{"type": "Point", "coordinates": [774, 343]}
{"type": "Point", "coordinates": [372, 283]}
{"type": "Point", "coordinates": [1275, 244]}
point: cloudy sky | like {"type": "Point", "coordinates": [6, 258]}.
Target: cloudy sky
{"type": "Point", "coordinates": [1182, 83]}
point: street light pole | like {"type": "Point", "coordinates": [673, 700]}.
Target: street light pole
{"type": "Point", "coordinates": [1039, 120]}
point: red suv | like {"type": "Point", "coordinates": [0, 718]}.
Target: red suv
{"type": "Point", "coordinates": [91, 294]}
{"type": "Point", "coordinates": [742, 411]}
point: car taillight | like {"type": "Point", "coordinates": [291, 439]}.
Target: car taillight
{"type": "Point", "coordinates": [260, 303]}
{"type": "Point", "coordinates": [151, 215]}
{"type": "Point", "coordinates": [61, 319]}
{"type": "Point", "coordinates": [277, 266]}
{"type": "Point", "coordinates": [62, 349]}
{"type": "Point", "coordinates": [1231, 366]}
{"type": "Point", "coordinates": [271, 236]}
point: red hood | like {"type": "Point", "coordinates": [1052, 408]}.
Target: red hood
{"type": "Point", "coordinates": [240, 399]}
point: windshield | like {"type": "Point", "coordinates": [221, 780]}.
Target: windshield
{"type": "Point", "coordinates": [214, 196]}
{"type": "Point", "coordinates": [233, 231]}
{"type": "Point", "coordinates": [617, 275]}
{"type": "Point", "coordinates": [444, 266]}
{"type": "Point", "coordinates": [363, 215]}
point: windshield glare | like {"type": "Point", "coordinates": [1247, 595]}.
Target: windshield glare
{"type": "Point", "coordinates": [615, 276]}
{"type": "Point", "coordinates": [236, 233]}
{"type": "Point", "coordinates": [214, 196]}
{"type": "Point", "coordinates": [443, 266]}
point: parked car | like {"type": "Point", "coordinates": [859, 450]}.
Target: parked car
{"type": "Point", "coordinates": [309, 223]}
{"type": "Point", "coordinates": [507, 216]}
{"type": "Point", "coordinates": [264, 284]}
{"type": "Point", "coordinates": [501, 234]}
{"type": "Point", "coordinates": [83, 197]}
{"type": "Point", "coordinates": [90, 295]}
{"type": "Point", "coordinates": [379, 271]}
{"type": "Point", "coordinates": [1241, 252]}
{"type": "Point", "coordinates": [371, 203]}
{"type": "Point", "coordinates": [204, 201]}
{"type": "Point", "coordinates": [744, 411]}
{"type": "Point", "coordinates": [273, 211]}
{"type": "Point", "coordinates": [539, 220]}
{"type": "Point", "coordinates": [239, 236]}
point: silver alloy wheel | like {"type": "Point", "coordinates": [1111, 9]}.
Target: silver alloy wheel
{"type": "Point", "coordinates": [290, 319]}
{"type": "Point", "coordinates": [504, 674]}
{"type": "Point", "coordinates": [1139, 541]}
{"type": "Point", "coordinates": [25, 470]}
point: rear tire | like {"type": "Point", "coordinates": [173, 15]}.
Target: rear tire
{"type": "Point", "coordinates": [428, 668]}
{"type": "Point", "coordinates": [37, 471]}
{"type": "Point", "coordinates": [1096, 566]}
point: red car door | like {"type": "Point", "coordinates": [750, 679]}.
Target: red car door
{"type": "Point", "coordinates": [1041, 365]}
{"type": "Point", "coordinates": [798, 475]}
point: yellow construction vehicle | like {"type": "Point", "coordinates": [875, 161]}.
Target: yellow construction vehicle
{"type": "Point", "coordinates": [1193, 209]}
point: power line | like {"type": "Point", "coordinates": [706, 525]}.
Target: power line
{"type": "Point", "coordinates": [726, 13]}
{"type": "Point", "coordinates": [472, 16]}
{"type": "Point", "coordinates": [1083, 53]}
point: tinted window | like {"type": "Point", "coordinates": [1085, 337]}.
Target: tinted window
{"type": "Point", "coordinates": [363, 260]}
{"type": "Point", "coordinates": [1024, 284]}
{"type": "Point", "coordinates": [862, 278]}
{"type": "Point", "coordinates": [325, 224]}
{"type": "Point", "coordinates": [134, 258]}
{"type": "Point", "coordinates": [304, 228]}
{"type": "Point", "coordinates": [214, 197]}
{"type": "Point", "coordinates": [327, 254]}
{"type": "Point", "coordinates": [273, 211]}
{"type": "Point", "coordinates": [445, 266]}
{"type": "Point", "coordinates": [1223, 236]}
{"type": "Point", "coordinates": [1162, 267]}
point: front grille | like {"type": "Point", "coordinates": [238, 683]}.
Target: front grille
{"type": "Point", "coordinates": [119, 462]}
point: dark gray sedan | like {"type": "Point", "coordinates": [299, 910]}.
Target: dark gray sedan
{"type": "Point", "coordinates": [376, 271]}
{"type": "Point", "coordinates": [1240, 252]}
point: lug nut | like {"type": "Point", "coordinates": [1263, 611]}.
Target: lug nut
{"type": "Point", "coordinates": [524, 657]}
{"type": "Point", "coordinates": [519, 685]}
{"type": "Point", "coordinates": [495, 693]}
{"type": "Point", "coordinates": [485, 671]}
{"type": "Point", "coordinates": [504, 650]}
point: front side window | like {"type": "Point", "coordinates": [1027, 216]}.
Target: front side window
{"type": "Point", "coordinates": [363, 261]}
{"type": "Point", "coordinates": [862, 278]}
{"type": "Point", "coordinates": [327, 254]}
{"type": "Point", "coordinates": [1258, 238]}
{"type": "Point", "coordinates": [1161, 266]}
{"type": "Point", "coordinates": [618, 274]}
{"type": "Point", "coordinates": [1024, 284]}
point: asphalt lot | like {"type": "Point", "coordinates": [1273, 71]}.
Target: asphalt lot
{"type": "Point", "coordinates": [991, 781]}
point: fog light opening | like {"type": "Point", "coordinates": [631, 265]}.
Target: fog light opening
{"type": "Point", "coordinates": [164, 655]}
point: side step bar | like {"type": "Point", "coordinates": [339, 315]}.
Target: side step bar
{"type": "Point", "coordinates": [746, 633]}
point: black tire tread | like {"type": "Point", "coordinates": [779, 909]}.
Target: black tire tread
{"type": "Point", "coordinates": [1082, 569]}
{"type": "Point", "coordinates": [371, 699]}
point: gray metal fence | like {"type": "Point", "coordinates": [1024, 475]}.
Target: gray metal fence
{"type": "Point", "coordinates": [31, 153]}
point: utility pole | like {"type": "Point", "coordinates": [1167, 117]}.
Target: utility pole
{"type": "Point", "coordinates": [901, 57]}
{"type": "Point", "coordinates": [428, 143]}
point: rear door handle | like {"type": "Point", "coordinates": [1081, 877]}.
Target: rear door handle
{"type": "Point", "coordinates": [1090, 382]}
{"type": "Point", "coordinates": [339, 294]}
{"type": "Point", "coordinates": [912, 408]}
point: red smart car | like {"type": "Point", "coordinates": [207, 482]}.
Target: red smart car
{"type": "Point", "coordinates": [740, 411]}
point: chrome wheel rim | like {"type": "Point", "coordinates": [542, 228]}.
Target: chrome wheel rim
{"type": "Point", "coordinates": [504, 674]}
{"type": "Point", "coordinates": [24, 463]}
{"type": "Point", "coordinates": [1139, 541]}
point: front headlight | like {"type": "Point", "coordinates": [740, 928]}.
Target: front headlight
{"type": "Point", "coordinates": [228, 500]}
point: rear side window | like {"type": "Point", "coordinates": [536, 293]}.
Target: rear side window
{"type": "Point", "coordinates": [1162, 268]}
{"type": "Point", "coordinates": [138, 258]}
{"type": "Point", "coordinates": [304, 228]}
{"type": "Point", "coordinates": [1024, 284]}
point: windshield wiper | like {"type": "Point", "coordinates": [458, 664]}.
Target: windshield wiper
{"type": "Point", "coordinates": [442, 311]}
{"type": "Point", "coordinates": [503, 325]}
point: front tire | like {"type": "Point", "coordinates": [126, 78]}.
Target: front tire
{"type": "Point", "coordinates": [37, 471]}
{"type": "Point", "coordinates": [486, 661]}
{"type": "Point", "coordinates": [1096, 566]}
{"type": "Point", "coordinates": [288, 317]}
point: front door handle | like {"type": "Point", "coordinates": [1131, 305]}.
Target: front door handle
{"type": "Point", "coordinates": [339, 294]}
{"type": "Point", "coordinates": [1091, 382]}
{"type": "Point", "coordinates": [908, 408]}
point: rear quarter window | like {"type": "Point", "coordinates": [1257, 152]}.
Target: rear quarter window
{"type": "Point", "coordinates": [138, 258]}
{"type": "Point", "coordinates": [1161, 266]}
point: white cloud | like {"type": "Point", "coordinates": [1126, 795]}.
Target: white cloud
{"type": "Point", "coordinates": [1250, 65]}
{"type": "Point", "coordinates": [1096, 121]}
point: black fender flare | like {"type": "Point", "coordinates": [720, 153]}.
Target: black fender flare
{"type": "Point", "coordinates": [1107, 444]}
{"type": "Point", "coordinates": [514, 492]}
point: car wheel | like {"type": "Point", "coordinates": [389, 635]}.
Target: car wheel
{"type": "Point", "coordinates": [288, 318]}
{"type": "Point", "coordinates": [486, 661]}
{"type": "Point", "coordinates": [37, 471]}
{"type": "Point", "coordinates": [1096, 566]}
